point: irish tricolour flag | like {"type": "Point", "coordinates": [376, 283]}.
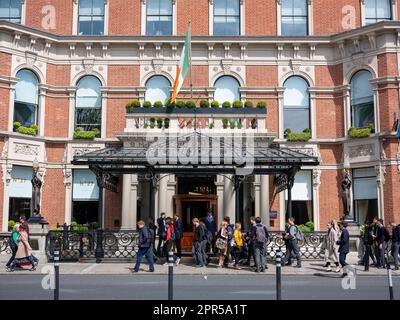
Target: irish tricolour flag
{"type": "Point", "coordinates": [183, 67]}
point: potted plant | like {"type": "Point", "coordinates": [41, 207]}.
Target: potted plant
{"type": "Point", "coordinates": [215, 104]}
{"type": "Point", "coordinates": [147, 104]}
{"type": "Point", "coordinates": [204, 104]}
{"type": "Point", "coordinates": [226, 104]}
{"type": "Point", "coordinates": [190, 104]}
{"type": "Point", "coordinates": [237, 104]}
{"type": "Point", "coordinates": [158, 104]}
{"type": "Point", "coordinates": [248, 104]}
{"type": "Point", "coordinates": [180, 104]}
{"type": "Point", "coordinates": [133, 104]}
{"type": "Point", "coordinates": [261, 104]}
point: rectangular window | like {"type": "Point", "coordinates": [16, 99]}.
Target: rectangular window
{"type": "Point", "coordinates": [25, 113]}
{"type": "Point", "coordinates": [297, 119]}
{"type": "Point", "coordinates": [159, 17]}
{"type": "Point", "coordinates": [20, 192]}
{"type": "Point", "coordinates": [302, 200]}
{"type": "Point", "coordinates": [85, 197]}
{"type": "Point", "coordinates": [377, 10]}
{"type": "Point", "coordinates": [362, 114]}
{"type": "Point", "coordinates": [294, 18]}
{"type": "Point", "coordinates": [91, 17]}
{"type": "Point", "coordinates": [88, 119]}
{"type": "Point", "coordinates": [226, 17]}
{"type": "Point", "coordinates": [10, 10]}
{"type": "Point", "coordinates": [365, 194]}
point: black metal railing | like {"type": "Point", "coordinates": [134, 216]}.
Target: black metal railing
{"type": "Point", "coordinates": [75, 245]}
{"type": "Point", "coordinates": [4, 243]}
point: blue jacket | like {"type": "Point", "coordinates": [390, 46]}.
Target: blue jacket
{"type": "Point", "coordinates": [343, 241]}
{"type": "Point", "coordinates": [145, 237]}
{"type": "Point", "coordinates": [211, 226]}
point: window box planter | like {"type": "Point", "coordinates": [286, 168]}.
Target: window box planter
{"type": "Point", "coordinates": [86, 135]}
{"type": "Point", "coordinates": [298, 136]}
{"type": "Point", "coordinates": [359, 133]}
{"type": "Point", "coordinates": [32, 130]}
{"type": "Point", "coordinates": [198, 111]}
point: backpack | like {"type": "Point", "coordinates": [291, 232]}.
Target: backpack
{"type": "Point", "coordinates": [299, 234]}
{"type": "Point", "coordinates": [260, 235]}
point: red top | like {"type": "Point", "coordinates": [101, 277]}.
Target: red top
{"type": "Point", "coordinates": [169, 231]}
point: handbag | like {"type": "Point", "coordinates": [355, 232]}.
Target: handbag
{"type": "Point", "coordinates": [221, 243]}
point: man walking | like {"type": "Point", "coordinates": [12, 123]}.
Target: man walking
{"type": "Point", "coordinates": [250, 237]}
{"type": "Point", "coordinates": [368, 241]}
{"type": "Point", "coordinates": [212, 229]}
{"type": "Point", "coordinates": [230, 228]}
{"type": "Point", "coordinates": [379, 238]}
{"type": "Point", "coordinates": [145, 246]}
{"type": "Point", "coordinates": [161, 233]}
{"type": "Point", "coordinates": [395, 244]}
{"type": "Point", "coordinates": [178, 238]}
{"type": "Point", "coordinates": [343, 243]}
{"type": "Point", "coordinates": [260, 239]}
{"type": "Point", "coordinates": [292, 246]}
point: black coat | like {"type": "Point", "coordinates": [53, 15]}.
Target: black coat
{"type": "Point", "coordinates": [161, 226]}
{"type": "Point", "coordinates": [145, 237]}
{"type": "Point", "coordinates": [396, 234]}
{"type": "Point", "coordinates": [200, 233]}
{"type": "Point", "coordinates": [343, 241]}
{"type": "Point", "coordinates": [178, 229]}
{"type": "Point", "coordinates": [380, 234]}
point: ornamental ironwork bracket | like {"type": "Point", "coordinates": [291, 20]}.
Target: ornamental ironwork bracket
{"type": "Point", "coordinates": [104, 179]}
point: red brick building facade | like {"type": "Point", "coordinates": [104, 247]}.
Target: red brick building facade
{"type": "Point", "coordinates": [340, 49]}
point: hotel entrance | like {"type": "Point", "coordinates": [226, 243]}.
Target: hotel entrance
{"type": "Point", "coordinates": [195, 197]}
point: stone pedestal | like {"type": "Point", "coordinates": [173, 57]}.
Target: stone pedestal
{"type": "Point", "coordinates": [38, 233]}
{"type": "Point", "coordinates": [354, 232]}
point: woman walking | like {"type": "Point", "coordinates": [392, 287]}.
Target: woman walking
{"type": "Point", "coordinates": [237, 245]}
{"type": "Point", "coordinates": [332, 247]}
{"type": "Point", "coordinates": [222, 243]}
{"type": "Point", "coordinates": [24, 251]}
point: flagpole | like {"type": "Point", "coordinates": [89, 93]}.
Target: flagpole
{"type": "Point", "coordinates": [190, 60]}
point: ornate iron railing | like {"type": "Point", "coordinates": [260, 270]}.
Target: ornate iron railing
{"type": "Point", "coordinates": [4, 243]}
{"type": "Point", "coordinates": [75, 245]}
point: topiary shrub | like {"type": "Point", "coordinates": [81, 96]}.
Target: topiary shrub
{"type": "Point", "coordinates": [215, 104]}
{"type": "Point", "coordinates": [358, 133]}
{"type": "Point", "coordinates": [132, 104]}
{"type": "Point", "coordinates": [190, 104]}
{"type": "Point", "coordinates": [237, 104]}
{"type": "Point", "coordinates": [32, 130]}
{"type": "Point", "coordinates": [80, 134]}
{"type": "Point", "coordinates": [261, 104]}
{"type": "Point", "coordinates": [204, 104]}
{"type": "Point", "coordinates": [248, 104]}
{"type": "Point", "coordinates": [180, 104]}
{"type": "Point", "coordinates": [158, 104]}
{"type": "Point", "coordinates": [226, 104]}
{"type": "Point", "coordinates": [147, 104]}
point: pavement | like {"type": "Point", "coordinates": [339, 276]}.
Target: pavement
{"type": "Point", "coordinates": [186, 267]}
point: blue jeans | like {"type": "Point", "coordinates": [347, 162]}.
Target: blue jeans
{"type": "Point", "coordinates": [148, 253]}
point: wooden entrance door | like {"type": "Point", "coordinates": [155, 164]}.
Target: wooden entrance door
{"type": "Point", "coordinates": [193, 206]}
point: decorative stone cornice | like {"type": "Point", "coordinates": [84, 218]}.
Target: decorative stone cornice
{"type": "Point", "coordinates": [380, 171]}
{"type": "Point", "coordinates": [316, 178]}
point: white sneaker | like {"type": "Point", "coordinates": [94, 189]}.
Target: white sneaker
{"type": "Point", "coordinates": [165, 264]}
{"type": "Point", "coordinates": [337, 269]}
{"type": "Point", "coordinates": [328, 269]}
{"type": "Point", "coordinates": [177, 261]}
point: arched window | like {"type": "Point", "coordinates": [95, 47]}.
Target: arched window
{"type": "Point", "coordinates": [10, 10]}
{"type": "Point", "coordinates": [91, 17]}
{"type": "Point", "coordinates": [296, 104]}
{"type": "Point", "coordinates": [377, 10]}
{"type": "Point", "coordinates": [294, 17]}
{"type": "Point", "coordinates": [362, 100]}
{"type": "Point", "coordinates": [226, 89]}
{"type": "Point", "coordinates": [26, 100]}
{"type": "Point", "coordinates": [159, 17]}
{"type": "Point", "coordinates": [158, 89]}
{"type": "Point", "coordinates": [226, 18]}
{"type": "Point", "coordinates": [88, 104]}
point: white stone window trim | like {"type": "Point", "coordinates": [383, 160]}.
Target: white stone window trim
{"type": "Point", "coordinates": [23, 12]}
{"type": "Point", "coordinates": [75, 16]}
{"type": "Point", "coordinates": [310, 20]}
{"type": "Point", "coordinates": [242, 18]}
{"type": "Point", "coordinates": [143, 17]}
{"type": "Point", "coordinates": [393, 13]}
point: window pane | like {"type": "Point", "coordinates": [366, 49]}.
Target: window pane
{"type": "Point", "coordinates": [165, 7]}
{"type": "Point", "coordinates": [20, 184]}
{"type": "Point", "coordinates": [287, 7]}
{"type": "Point", "coordinates": [294, 26]}
{"type": "Point", "coordinates": [153, 7]}
{"type": "Point", "coordinates": [361, 88]}
{"type": "Point", "coordinates": [220, 7]}
{"type": "Point", "coordinates": [364, 172]}
{"type": "Point", "coordinates": [226, 26]}
{"type": "Point", "coordinates": [157, 89]}
{"type": "Point", "coordinates": [88, 119]}
{"type": "Point", "coordinates": [85, 7]}
{"type": "Point", "coordinates": [26, 90]}
{"type": "Point", "coordinates": [158, 27]}
{"type": "Point", "coordinates": [383, 9]}
{"type": "Point", "coordinates": [98, 7]}
{"type": "Point", "coordinates": [15, 8]}
{"type": "Point", "coordinates": [296, 93]}
{"type": "Point", "coordinates": [302, 211]}
{"type": "Point", "coordinates": [85, 26]}
{"type": "Point", "coordinates": [98, 26]}
{"type": "Point", "coordinates": [88, 94]}
{"type": "Point", "coordinates": [302, 187]}
{"type": "Point", "coordinates": [365, 209]}
{"type": "Point", "coordinates": [227, 89]}
{"type": "Point", "coordinates": [233, 7]}
{"type": "Point", "coordinates": [300, 7]}
{"type": "Point", "coordinates": [296, 120]}
{"type": "Point", "coordinates": [84, 185]}
{"type": "Point", "coordinates": [363, 115]}
{"type": "Point", "coordinates": [365, 188]}
{"type": "Point", "coordinates": [25, 113]}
